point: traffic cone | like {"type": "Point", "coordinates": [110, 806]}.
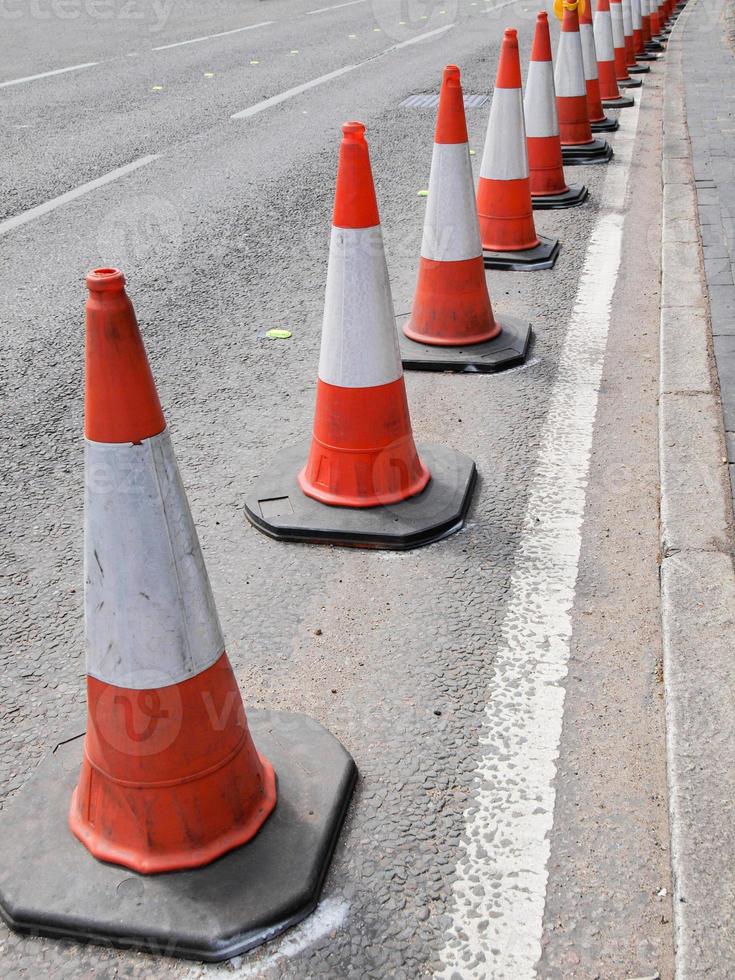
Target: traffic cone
{"type": "Point", "coordinates": [640, 16]}
{"type": "Point", "coordinates": [655, 42]}
{"type": "Point", "coordinates": [451, 326]}
{"type": "Point", "coordinates": [630, 63]}
{"type": "Point", "coordinates": [548, 186]}
{"type": "Point", "coordinates": [609, 92]}
{"type": "Point", "coordinates": [618, 32]}
{"type": "Point", "coordinates": [599, 122]}
{"type": "Point", "coordinates": [364, 483]}
{"type": "Point", "coordinates": [507, 230]}
{"type": "Point", "coordinates": [171, 786]}
{"type": "Point", "coordinates": [577, 143]}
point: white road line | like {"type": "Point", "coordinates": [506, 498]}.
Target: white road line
{"type": "Point", "coordinates": [500, 890]}
{"type": "Point", "coordinates": [57, 202]}
{"type": "Point", "coordinates": [209, 37]}
{"type": "Point", "coordinates": [290, 93]}
{"type": "Point", "coordinates": [323, 10]}
{"type": "Point", "coordinates": [48, 74]}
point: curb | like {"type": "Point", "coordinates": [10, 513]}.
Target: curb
{"type": "Point", "coordinates": [697, 574]}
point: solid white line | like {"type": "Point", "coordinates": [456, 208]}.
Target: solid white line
{"type": "Point", "coordinates": [323, 10]}
{"type": "Point", "coordinates": [500, 890]}
{"type": "Point", "coordinates": [57, 202]}
{"type": "Point", "coordinates": [290, 93]}
{"type": "Point", "coordinates": [48, 74]}
{"type": "Point", "coordinates": [209, 37]}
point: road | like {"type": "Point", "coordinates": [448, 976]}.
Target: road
{"type": "Point", "coordinates": [500, 691]}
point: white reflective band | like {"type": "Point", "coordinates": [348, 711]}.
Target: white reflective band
{"type": "Point", "coordinates": [505, 156]}
{"type": "Point", "coordinates": [451, 228]}
{"type": "Point", "coordinates": [627, 18]}
{"type": "Point", "coordinates": [539, 103]}
{"type": "Point", "coordinates": [603, 36]}
{"type": "Point", "coordinates": [150, 617]}
{"type": "Point", "coordinates": [636, 10]}
{"type": "Point", "coordinates": [569, 75]}
{"type": "Point", "coordinates": [359, 339]}
{"type": "Point", "coordinates": [589, 51]}
{"type": "Point", "coordinates": [616, 19]}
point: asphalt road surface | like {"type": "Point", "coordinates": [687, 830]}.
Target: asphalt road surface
{"type": "Point", "coordinates": [500, 691]}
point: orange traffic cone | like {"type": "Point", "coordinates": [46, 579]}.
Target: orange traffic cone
{"type": "Point", "coordinates": [364, 483]}
{"type": "Point", "coordinates": [548, 187]}
{"type": "Point", "coordinates": [153, 640]}
{"type": "Point", "coordinates": [170, 778]}
{"type": "Point", "coordinates": [451, 326]}
{"type": "Point", "coordinates": [599, 122]}
{"type": "Point", "coordinates": [640, 17]}
{"type": "Point", "coordinates": [577, 142]}
{"type": "Point", "coordinates": [657, 41]}
{"type": "Point", "coordinates": [618, 33]}
{"type": "Point", "coordinates": [507, 230]}
{"type": "Point", "coordinates": [629, 31]}
{"type": "Point", "coordinates": [609, 92]}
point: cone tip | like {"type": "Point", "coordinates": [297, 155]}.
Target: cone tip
{"type": "Point", "coordinates": [511, 34]}
{"type": "Point", "coordinates": [353, 131]}
{"type": "Point", "coordinates": [541, 16]}
{"type": "Point", "coordinates": [451, 75]}
{"type": "Point", "coordinates": [105, 280]}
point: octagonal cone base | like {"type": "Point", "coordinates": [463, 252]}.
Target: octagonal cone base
{"type": "Point", "coordinates": [606, 125]}
{"type": "Point", "coordinates": [510, 347]}
{"type": "Point", "coordinates": [574, 195]}
{"type": "Point", "coordinates": [543, 256]}
{"type": "Point", "coordinates": [654, 46]}
{"type": "Point", "coordinates": [638, 69]}
{"type": "Point", "coordinates": [580, 154]}
{"type": "Point", "coordinates": [622, 102]}
{"type": "Point", "coordinates": [51, 885]}
{"type": "Point", "coordinates": [630, 83]}
{"type": "Point", "coordinates": [277, 506]}
{"type": "Point", "coordinates": [647, 56]}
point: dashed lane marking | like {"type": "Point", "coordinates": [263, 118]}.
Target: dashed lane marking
{"type": "Point", "coordinates": [298, 89]}
{"type": "Point", "coordinates": [209, 37]}
{"type": "Point", "coordinates": [502, 871]}
{"type": "Point", "coordinates": [323, 10]}
{"type": "Point", "coordinates": [49, 74]}
{"type": "Point", "coordinates": [25, 216]}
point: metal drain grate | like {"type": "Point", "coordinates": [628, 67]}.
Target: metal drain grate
{"type": "Point", "coordinates": [430, 100]}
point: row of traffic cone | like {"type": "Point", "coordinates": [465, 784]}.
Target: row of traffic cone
{"type": "Point", "coordinates": [177, 835]}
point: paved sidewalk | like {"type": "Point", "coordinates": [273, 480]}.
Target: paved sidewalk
{"type": "Point", "coordinates": [709, 91]}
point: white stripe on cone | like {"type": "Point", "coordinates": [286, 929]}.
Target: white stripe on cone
{"type": "Point", "coordinates": [589, 51]}
{"type": "Point", "coordinates": [627, 18]}
{"type": "Point", "coordinates": [636, 12]}
{"type": "Point", "coordinates": [505, 156]}
{"type": "Point", "coordinates": [359, 339]}
{"type": "Point", "coordinates": [616, 19]}
{"type": "Point", "coordinates": [569, 74]}
{"type": "Point", "coordinates": [603, 36]}
{"type": "Point", "coordinates": [150, 615]}
{"type": "Point", "coordinates": [539, 103]}
{"type": "Point", "coordinates": [451, 226]}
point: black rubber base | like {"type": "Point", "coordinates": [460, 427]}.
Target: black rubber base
{"type": "Point", "coordinates": [509, 348]}
{"type": "Point", "coordinates": [654, 46]}
{"type": "Point", "coordinates": [277, 507]}
{"type": "Point", "coordinates": [630, 83]}
{"type": "Point", "coordinates": [647, 56]}
{"type": "Point", "coordinates": [543, 256]}
{"type": "Point", "coordinates": [623, 102]}
{"type": "Point", "coordinates": [598, 151]}
{"type": "Point", "coordinates": [574, 195]}
{"type": "Point", "coordinates": [638, 70]}
{"type": "Point", "coordinates": [606, 125]}
{"type": "Point", "coordinates": [51, 885]}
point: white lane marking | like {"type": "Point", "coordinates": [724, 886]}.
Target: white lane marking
{"type": "Point", "coordinates": [323, 10]}
{"type": "Point", "coordinates": [329, 915]}
{"type": "Point", "coordinates": [298, 89]}
{"type": "Point", "coordinates": [209, 37]}
{"type": "Point", "coordinates": [500, 890]}
{"type": "Point", "coordinates": [57, 202]}
{"type": "Point", "coordinates": [48, 74]}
